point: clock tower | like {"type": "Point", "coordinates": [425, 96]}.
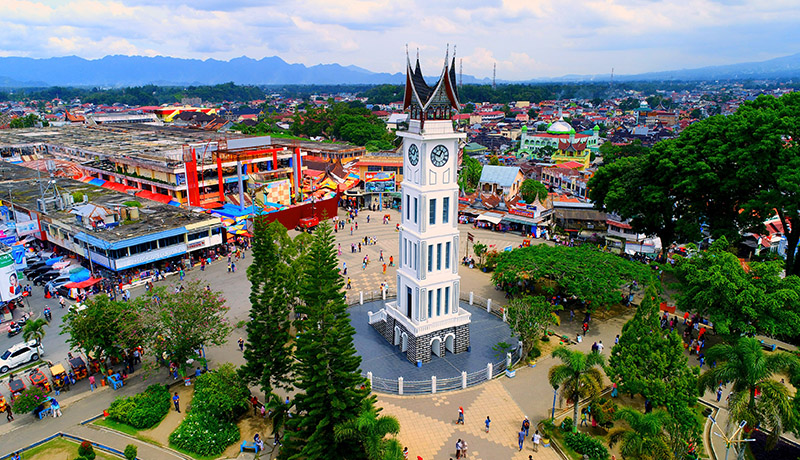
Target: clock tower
{"type": "Point", "coordinates": [426, 320]}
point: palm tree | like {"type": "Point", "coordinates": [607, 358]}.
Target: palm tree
{"type": "Point", "coordinates": [34, 329]}
{"type": "Point", "coordinates": [580, 376]}
{"type": "Point", "coordinates": [748, 368]}
{"type": "Point", "coordinates": [370, 430]}
{"type": "Point", "coordinates": [644, 438]}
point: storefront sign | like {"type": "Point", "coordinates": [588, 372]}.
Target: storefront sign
{"type": "Point", "coordinates": [379, 182]}
{"type": "Point", "coordinates": [27, 228]}
{"type": "Point", "coordinates": [522, 212]}
{"type": "Point", "coordinates": [10, 288]}
{"type": "Point", "coordinates": [197, 244]}
{"type": "Point", "coordinates": [150, 256]}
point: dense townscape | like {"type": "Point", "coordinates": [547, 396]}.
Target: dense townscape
{"type": "Point", "coordinates": [401, 271]}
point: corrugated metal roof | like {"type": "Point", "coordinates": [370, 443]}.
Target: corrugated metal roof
{"type": "Point", "coordinates": [503, 176]}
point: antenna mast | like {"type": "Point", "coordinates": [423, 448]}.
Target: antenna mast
{"type": "Point", "coordinates": [494, 76]}
{"type": "Point", "coordinates": [611, 83]}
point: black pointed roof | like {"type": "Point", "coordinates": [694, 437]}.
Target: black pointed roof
{"type": "Point", "coordinates": [419, 92]}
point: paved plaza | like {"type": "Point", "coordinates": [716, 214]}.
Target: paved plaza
{"type": "Point", "coordinates": [427, 422]}
{"type": "Point", "coordinates": [386, 361]}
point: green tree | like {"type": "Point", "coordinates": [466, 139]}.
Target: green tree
{"type": "Point", "coordinates": [273, 276]}
{"type": "Point", "coordinates": [649, 361]}
{"type": "Point", "coordinates": [587, 273]}
{"type": "Point", "coordinates": [532, 189]}
{"type": "Point", "coordinates": [180, 323]}
{"type": "Point", "coordinates": [580, 376]}
{"type": "Point", "coordinates": [102, 328]}
{"type": "Point", "coordinates": [748, 368]}
{"type": "Point", "coordinates": [331, 388]}
{"type": "Point", "coordinates": [696, 114]}
{"type": "Point", "coordinates": [469, 107]}
{"type": "Point", "coordinates": [493, 160]}
{"type": "Point", "coordinates": [739, 301]}
{"type": "Point", "coordinates": [470, 174]}
{"type": "Point", "coordinates": [222, 393]}
{"type": "Point", "coordinates": [644, 438]}
{"type": "Point", "coordinates": [370, 431]}
{"type": "Point", "coordinates": [34, 329]}
{"type": "Point", "coordinates": [529, 317]}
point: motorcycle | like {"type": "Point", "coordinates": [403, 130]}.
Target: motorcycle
{"type": "Point", "coordinates": [14, 329]}
{"type": "Point", "coordinates": [48, 315]}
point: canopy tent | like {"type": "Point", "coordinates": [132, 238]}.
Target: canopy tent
{"type": "Point", "coordinates": [160, 197]}
{"type": "Point", "coordinates": [53, 261]}
{"type": "Point", "coordinates": [81, 276]}
{"type": "Point", "coordinates": [83, 284]}
{"type": "Point", "coordinates": [491, 217]}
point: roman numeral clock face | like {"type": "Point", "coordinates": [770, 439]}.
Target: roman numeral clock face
{"type": "Point", "coordinates": [439, 155]}
{"type": "Point", "coordinates": [413, 154]}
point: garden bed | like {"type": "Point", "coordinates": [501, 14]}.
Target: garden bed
{"type": "Point", "coordinates": [61, 449]}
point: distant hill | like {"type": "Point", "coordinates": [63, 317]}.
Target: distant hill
{"type": "Point", "coordinates": [160, 70]}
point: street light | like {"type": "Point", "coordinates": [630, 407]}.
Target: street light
{"type": "Point", "coordinates": [731, 439]}
{"type": "Point", "coordinates": [555, 392]}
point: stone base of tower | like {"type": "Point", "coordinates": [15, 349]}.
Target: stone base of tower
{"type": "Point", "coordinates": [421, 346]}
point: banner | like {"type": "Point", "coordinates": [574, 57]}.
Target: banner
{"type": "Point", "coordinates": [10, 288]}
{"type": "Point", "coordinates": [28, 227]}
{"type": "Point", "coordinates": [18, 253]}
{"type": "Point", "coordinates": [379, 182]}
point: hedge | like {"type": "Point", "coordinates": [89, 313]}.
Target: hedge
{"type": "Point", "coordinates": [586, 445]}
{"type": "Point", "coordinates": [143, 410]}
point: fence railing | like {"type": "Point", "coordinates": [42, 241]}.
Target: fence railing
{"type": "Point", "coordinates": [436, 385]}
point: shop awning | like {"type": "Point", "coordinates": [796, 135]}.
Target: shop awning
{"type": "Point", "coordinates": [83, 284]}
{"type": "Point", "coordinates": [519, 220]}
{"type": "Point", "coordinates": [160, 197]}
{"type": "Point", "coordinates": [491, 217]}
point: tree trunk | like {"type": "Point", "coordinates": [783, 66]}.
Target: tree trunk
{"type": "Point", "coordinates": [577, 401]}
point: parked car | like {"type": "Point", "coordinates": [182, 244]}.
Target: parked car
{"type": "Point", "coordinates": [20, 354]}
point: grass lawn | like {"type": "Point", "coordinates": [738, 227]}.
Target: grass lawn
{"type": "Point", "coordinates": [192, 454]}
{"type": "Point", "coordinates": [111, 424]}
{"type": "Point", "coordinates": [61, 449]}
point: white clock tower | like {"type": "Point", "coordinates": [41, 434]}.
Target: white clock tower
{"type": "Point", "coordinates": [426, 320]}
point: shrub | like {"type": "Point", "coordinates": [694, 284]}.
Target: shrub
{"type": "Point", "coordinates": [85, 450]}
{"type": "Point", "coordinates": [221, 393]}
{"type": "Point", "coordinates": [603, 411]}
{"type": "Point", "coordinates": [204, 434]}
{"type": "Point", "coordinates": [143, 410]}
{"type": "Point", "coordinates": [130, 452]}
{"type": "Point", "coordinates": [535, 352]}
{"type": "Point", "coordinates": [132, 204]}
{"type": "Point", "coordinates": [566, 424]}
{"type": "Point", "coordinates": [29, 400]}
{"type": "Point", "coordinates": [586, 445]}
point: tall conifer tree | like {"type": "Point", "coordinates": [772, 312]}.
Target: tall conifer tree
{"type": "Point", "coordinates": [327, 366]}
{"type": "Point", "coordinates": [274, 289]}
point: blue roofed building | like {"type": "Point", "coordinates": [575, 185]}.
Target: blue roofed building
{"type": "Point", "coordinates": [504, 181]}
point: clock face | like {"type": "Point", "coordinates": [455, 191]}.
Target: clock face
{"type": "Point", "coordinates": [413, 154]}
{"type": "Point", "coordinates": [439, 155]}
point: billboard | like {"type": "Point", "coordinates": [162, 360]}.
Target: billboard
{"type": "Point", "coordinates": [10, 288]}
{"type": "Point", "coordinates": [18, 253]}
{"type": "Point", "coordinates": [379, 182]}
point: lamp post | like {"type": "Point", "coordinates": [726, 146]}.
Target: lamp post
{"type": "Point", "coordinates": [732, 438]}
{"type": "Point", "coordinates": [553, 413]}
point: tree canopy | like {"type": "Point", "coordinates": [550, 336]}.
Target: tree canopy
{"type": "Point", "coordinates": [352, 123]}
{"type": "Point", "coordinates": [591, 275]}
{"type": "Point", "coordinates": [532, 189]}
{"type": "Point", "coordinates": [738, 300]}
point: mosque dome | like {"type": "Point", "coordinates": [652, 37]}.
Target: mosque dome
{"type": "Point", "coordinates": [560, 127]}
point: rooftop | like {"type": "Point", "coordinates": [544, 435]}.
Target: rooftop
{"type": "Point", "coordinates": [500, 175]}
{"type": "Point", "coordinates": [23, 186]}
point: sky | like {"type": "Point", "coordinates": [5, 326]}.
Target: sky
{"type": "Point", "coordinates": [526, 39]}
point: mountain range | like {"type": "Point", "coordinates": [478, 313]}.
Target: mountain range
{"type": "Point", "coordinates": [138, 70]}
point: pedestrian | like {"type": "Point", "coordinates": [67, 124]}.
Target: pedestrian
{"type": "Point", "coordinates": [614, 390]}
{"type": "Point", "coordinates": [585, 327]}
{"type": "Point", "coordinates": [405, 453]}
{"type": "Point", "coordinates": [537, 438]}
{"type": "Point", "coordinates": [521, 438]}
{"type": "Point", "coordinates": [571, 315]}
{"type": "Point", "coordinates": [182, 274]}
{"type": "Point", "coordinates": [487, 422]}
{"type": "Point", "coordinates": [92, 385]}
{"type": "Point", "coordinates": [359, 246]}
{"type": "Point", "coordinates": [241, 344]}
{"type": "Point", "coordinates": [460, 415]}
{"type": "Point", "coordinates": [616, 340]}
{"type": "Point", "coordinates": [348, 283]}
{"type": "Point", "coordinates": [458, 449]}
{"type": "Point", "coordinates": [367, 218]}
{"type": "Point", "coordinates": [56, 408]}
{"type": "Point", "coordinates": [719, 393]}
{"type": "Point", "coordinates": [600, 347]}
{"type": "Point", "coordinates": [344, 268]}
{"type": "Point", "coordinates": [526, 425]}
{"type": "Point", "coordinates": [233, 267]}
{"type": "Point", "coordinates": [381, 256]}
{"type": "Point", "coordinates": [258, 443]}
{"type": "Point", "coordinates": [464, 448]}
{"type": "Point", "coordinates": [177, 401]}
{"type": "Point", "coordinates": [9, 414]}
{"type": "Point", "coordinates": [229, 267]}
{"type": "Point", "coordinates": [384, 269]}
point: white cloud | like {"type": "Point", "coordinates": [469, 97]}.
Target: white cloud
{"type": "Point", "coordinates": [526, 38]}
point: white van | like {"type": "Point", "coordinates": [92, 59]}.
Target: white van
{"type": "Point", "coordinates": [20, 354]}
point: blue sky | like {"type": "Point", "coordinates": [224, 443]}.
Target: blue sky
{"type": "Point", "coordinates": [526, 38]}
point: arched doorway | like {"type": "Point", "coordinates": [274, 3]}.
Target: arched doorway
{"type": "Point", "coordinates": [396, 336]}
{"type": "Point", "coordinates": [450, 343]}
{"type": "Point", "coordinates": [436, 346]}
{"type": "Point", "coordinates": [404, 342]}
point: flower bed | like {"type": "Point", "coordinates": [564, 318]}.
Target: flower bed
{"type": "Point", "coordinates": [204, 434]}
{"type": "Point", "coordinates": [143, 410]}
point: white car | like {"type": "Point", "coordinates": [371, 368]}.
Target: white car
{"type": "Point", "coordinates": [20, 354]}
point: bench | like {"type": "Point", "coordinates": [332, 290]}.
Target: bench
{"type": "Point", "coordinates": [45, 412]}
{"type": "Point", "coordinates": [115, 381]}
{"type": "Point", "coordinates": [249, 446]}
{"type": "Point", "coordinates": [768, 346]}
